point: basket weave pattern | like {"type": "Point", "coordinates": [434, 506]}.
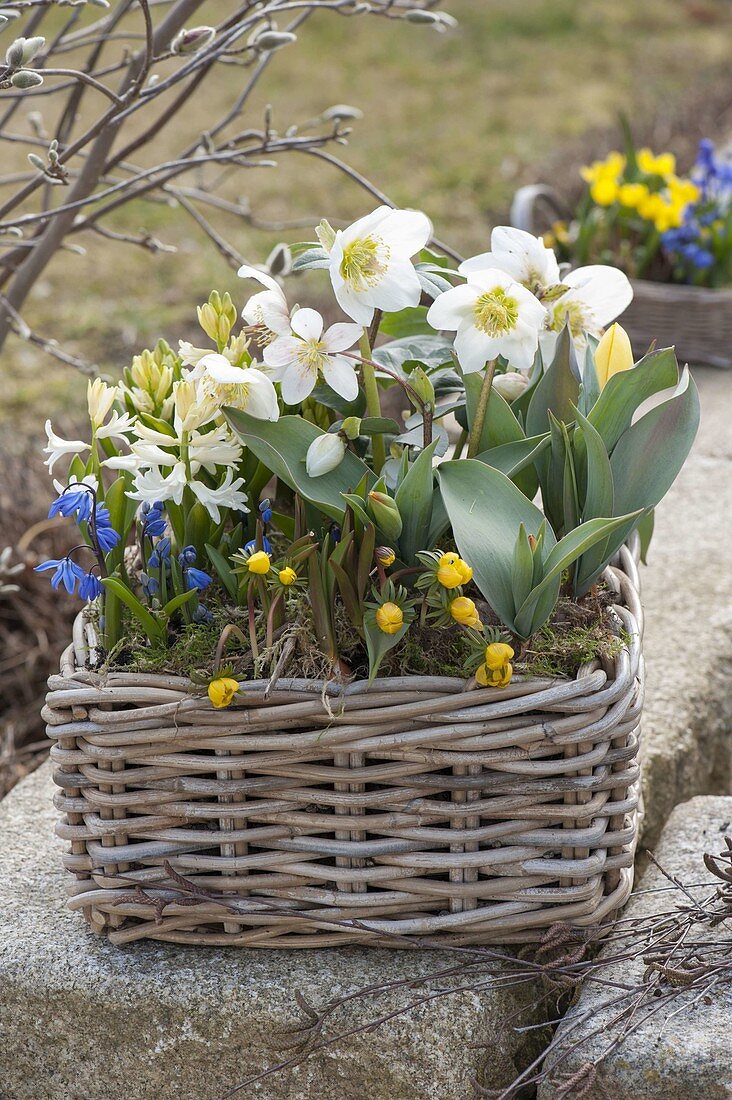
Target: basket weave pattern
{"type": "Point", "coordinates": [696, 320]}
{"type": "Point", "coordinates": [321, 815]}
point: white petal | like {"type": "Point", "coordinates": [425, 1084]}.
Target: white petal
{"type": "Point", "coordinates": [451, 308]}
{"type": "Point", "coordinates": [526, 253]}
{"type": "Point", "coordinates": [219, 368]}
{"type": "Point", "coordinates": [478, 263]}
{"type": "Point", "coordinates": [282, 351]}
{"type": "Point", "coordinates": [341, 377]}
{"type": "Point", "coordinates": [341, 337]}
{"type": "Point", "coordinates": [473, 348]}
{"type": "Point", "coordinates": [398, 288]}
{"type": "Point", "coordinates": [368, 226]}
{"type": "Point", "coordinates": [247, 272]}
{"type": "Point", "coordinates": [604, 290]}
{"type": "Point", "coordinates": [353, 304]}
{"type": "Point", "coordinates": [488, 278]}
{"type": "Point", "coordinates": [406, 231]}
{"type": "Point", "coordinates": [298, 383]}
{"type": "Point", "coordinates": [307, 323]}
{"type": "Point", "coordinates": [261, 401]}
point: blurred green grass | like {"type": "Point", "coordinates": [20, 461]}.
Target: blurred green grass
{"type": "Point", "coordinates": [453, 124]}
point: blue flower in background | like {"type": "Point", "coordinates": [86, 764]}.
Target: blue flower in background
{"type": "Point", "coordinates": [73, 500]}
{"type": "Point", "coordinates": [160, 555]}
{"type": "Point", "coordinates": [196, 578]}
{"type": "Point", "coordinates": [107, 537]}
{"type": "Point", "coordinates": [150, 585]}
{"type": "Point", "coordinates": [67, 573]}
{"type": "Point", "coordinates": [187, 555]}
{"type": "Point", "coordinates": [251, 546]}
{"type": "Point", "coordinates": [265, 510]}
{"type": "Point", "coordinates": [90, 587]}
{"type": "Point", "coordinates": [202, 614]}
{"type": "Point", "coordinates": [153, 519]}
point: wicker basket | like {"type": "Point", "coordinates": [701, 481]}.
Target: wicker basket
{"type": "Point", "coordinates": [695, 320]}
{"type": "Point", "coordinates": [321, 815]}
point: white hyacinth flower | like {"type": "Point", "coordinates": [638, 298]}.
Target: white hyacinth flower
{"type": "Point", "coordinates": [596, 295]}
{"type": "Point", "coordinates": [152, 484]}
{"type": "Point", "coordinates": [228, 494]}
{"type": "Point", "coordinates": [245, 388]}
{"type": "Point", "coordinates": [57, 448]}
{"type": "Point", "coordinates": [298, 358]}
{"type": "Point", "coordinates": [370, 262]}
{"type": "Point", "coordinates": [267, 310]}
{"type": "Point", "coordinates": [492, 315]}
{"type": "Point", "coordinates": [521, 255]}
{"type": "Point", "coordinates": [99, 399]}
{"type": "Point", "coordinates": [324, 454]}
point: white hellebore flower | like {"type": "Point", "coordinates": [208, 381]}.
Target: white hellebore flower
{"type": "Point", "coordinates": [596, 295]}
{"type": "Point", "coordinates": [298, 358]}
{"type": "Point", "coordinates": [244, 388]}
{"type": "Point", "coordinates": [521, 255]}
{"type": "Point", "coordinates": [324, 454]}
{"type": "Point", "coordinates": [370, 262]}
{"type": "Point", "coordinates": [56, 447]}
{"type": "Point", "coordinates": [492, 315]}
{"type": "Point", "coordinates": [267, 310]}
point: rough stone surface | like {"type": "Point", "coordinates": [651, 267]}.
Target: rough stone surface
{"type": "Point", "coordinates": [82, 1020]}
{"type": "Point", "coordinates": [686, 1056]}
{"type": "Point", "coordinates": [687, 595]}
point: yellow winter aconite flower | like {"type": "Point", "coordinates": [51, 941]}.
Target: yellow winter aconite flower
{"type": "Point", "coordinates": [613, 354]}
{"type": "Point", "coordinates": [604, 192]}
{"type": "Point", "coordinates": [221, 692]}
{"type": "Point", "coordinates": [385, 556]}
{"type": "Point", "coordinates": [464, 611]}
{"type": "Point", "coordinates": [662, 165]}
{"type": "Point", "coordinates": [259, 562]}
{"type": "Point", "coordinates": [498, 654]}
{"type": "Point", "coordinates": [389, 618]}
{"type": "Point", "coordinates": [452, 571]}
{"type": "Point", "coordinates": [287, 576]}
{"type": "Point", "coordinates": [632, 194]}
{"type": "Point", "coordinates": [497, 669]}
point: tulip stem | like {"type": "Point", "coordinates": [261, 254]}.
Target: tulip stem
{"type": "Point", "coordinates": [373, 402]}
{"type": "Point", "coordinates": [481, 409]}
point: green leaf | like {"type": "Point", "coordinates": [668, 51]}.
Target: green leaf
{"type": "Point", "coordinates": [154, 630]}
{"type": "Point", "coordinates": [379, 425]}
{"type": "Point", "coordinates": [645, 531]}
{"type": "Point", "coordinates": [500, 424]}
{"type": "Point", "coordinates": [197, 528]}
{"type": "Point", "coordinates": [596, 476]}
{"type": "Point", "coordinates": [406, 322]}
{"type": "Point", "coordinates": [285, 524]}
{"type": "Point", "coordinates": [414, 499]}
{"type": "Point", "coordinates": [430, 350]}
{"type": "Point", "coordinates": [172, 605]}
{"type": "Point", "coordinates": [378, 643]}
{"type": "Point", "coordinates": [522, 573]}
{"type": "Point", "coordinates": [649, 455]}
{"type": "Point", "coordinates": [557, 391]}
{"type": "Point", "coordinates": [224, 570]}
{"type": "Point", "coordinates": [625, 392]}
{"type": "Point", "coordinates": [282, 447]}
{"type": "Point", "coordinates": [486, 510]}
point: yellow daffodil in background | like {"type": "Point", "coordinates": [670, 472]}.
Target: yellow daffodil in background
{"type": "Point", "coordinates": [287, 576]}
{"type": "Point", "coordinates": [390, 618]}
{"type": "Point", "coordinates": [464, 611]}
{"type": "Point", "coordinates": [613, 354]}
{"type": "Point", "coordinates": [259, 562]}
{"type": "Point", "coordinates": [497, 670]}
{"type": "Point", "coordinates": [221, 691]}
{"type": "Point", "coordinates": [603, 177]}
{"type": "Point", "coordinates": [452, 571]}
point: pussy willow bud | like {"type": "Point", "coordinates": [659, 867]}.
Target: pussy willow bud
{"type": "Point", "coordinates": [419, 382]}
{"type": "Point", "coordinates": [23, 50]}
{"type": "Point", "coordinates": [193, 40]}
{"type": "Point", "coordinates": [268, 41]}
{"type": "Point", "coordinates": [385, 514]}
{"type": "Point", "coordinates": [37, 162]}
{"type": "Point", "coordinates": [26, 78]}
{"type": "Point", "coordinates": [340, 112]}
{"type": "Point", "coordinates": [351, 427]}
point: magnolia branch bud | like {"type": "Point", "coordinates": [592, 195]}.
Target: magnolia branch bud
{"type": "Point", "coordinates": [193, 40]}
{"type": "Point", "coordinates": [340, 112]}
{"type": "Point", "coordinates": [22, 51]}
{"type": "Point", "coordinates": [26, 78]}
{"type": "Point", "coordinates": [440, 20]}
{"type": "Point", "coordinates": [268, 41]}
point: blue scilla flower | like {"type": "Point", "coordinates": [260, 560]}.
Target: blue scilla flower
{"type": "Point", "coordinates": [73, 500]}
{"type": "Point", "coordinates": [202, 614]}
{"type": "Point", "coordinates": [90, 587]}
{"type": "Point", "coordinates": [154, 524]}
{"type": "Point", "coordinates": [187, 555]}
{"type": "Point", "coordinates": [160, 555]}
{"type": "Point", "coordinates": [107, 537]}
{"type": "Point", "coordinates": [196, 578]}
{"type": "Point", "coordinates": [67, 573]}
{"type": "Point", "coordinates": [265, 510]}
{"type": "Point", "coordinates": [251, 546]}
{"type": "Point", "coordinates": [150, 585]}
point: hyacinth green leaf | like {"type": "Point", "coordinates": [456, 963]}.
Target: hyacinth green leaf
{"type": "Point", "coordinates": [282, 447]}
{"type": "Point", "coordinates": [557, 391]}
{"type": "Point", "coordinates": [516, 460]}
{"type": "Point", "coordinates": [486, 510]}
{"type": "Point", "coordinates": [649, 455]}
{"type": "Point", "coordinates": [522, 573]}
{"type": "Point", "coordinates": [224, 570]}
{"type": "Point", "coordinates": [177, 601]}
{"type": "Point", "coordinates": [614, 409]}
{"type": "Point", "coordinates": [378, 643]}
{"type": "Point", "coordinates": [154, 630]}
{"type": "Point", "coordinates": [414, 499]}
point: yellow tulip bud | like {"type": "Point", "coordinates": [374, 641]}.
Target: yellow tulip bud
{"type": "Point", "coordinates": [287, 576]}
{"type": "Point", "coordinates": [259, 562]}
{"type": "Point", "coordinates": [613, 354]}
{"type": "Point", "coordinates": [464, 611]}
{"type": "Point", "coordinates": [390, 618]}
{"type": "Point", "coordinates": [453, 571]}
{"type": "Point", "coordinates": [498, 654]}
{"type": "Point", "coordinates": [221, 692]}
{"type": "Point", "coordinates": [385, 556]}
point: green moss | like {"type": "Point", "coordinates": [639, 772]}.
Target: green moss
{"type": "Point", "coordinates": [560, 648]}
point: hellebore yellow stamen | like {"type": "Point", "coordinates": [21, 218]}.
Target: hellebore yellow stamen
{"type": "Point", "coordinates": [390, 618]}
{"type": "Point", "coordinates": [287, 576]}
{"type": "Point", "coordinates": [498, 654]}
{"type": "Point", "coordinates": [363, 262]}
{"type": "Point", "coordinates": [221, 692]}
{"type": "Point", "coordinates": [464, 611]}
{"type": "Point", "coordinates": [259, 562]}
{"type": "Point", "coordinates": [613, 354]}
{"type": "Point", "coordinates": [453, 571]}
{"type": "Point", "coordinates": [495, 312]}
{"type": "Point", "coordinates": [384, 555]}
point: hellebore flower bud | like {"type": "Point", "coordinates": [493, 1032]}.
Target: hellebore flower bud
{"type": "Point", "coordinates": [511, 385]}
{"type": "Point", "coordinates": [324, 454]}
{"type": "Point", "coordinates": [385, 514]}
